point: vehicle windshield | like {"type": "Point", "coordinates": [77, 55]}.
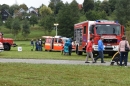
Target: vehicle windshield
{"type": "Point", "coordinates": [108, 29]}
{"type": "Point", "coordinates": [65, 39]}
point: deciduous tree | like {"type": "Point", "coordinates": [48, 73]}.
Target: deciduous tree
{"type": "Point", "coordinates": [15, 27]}
{"type": "Point", "coordinates": [25, 29]}
{"type": "Point", "coordinates": [24, 6]}
{"type": "Point", "coordinates": [123, 11]}
{"type": "Point", "coordinates": [67, 17]}
{"type": "Point", "coordinates": [33, 20]}
{"type": "Point", "coordinates": [44, 11]}
{"type": "Point", "coordinates": [88, 5]}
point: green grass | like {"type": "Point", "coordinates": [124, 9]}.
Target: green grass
{"type": "Point", "coordinates": [22, 74]}
{"type": "Point", "coordinates": [35, 32]}
{"type": "Point", "coordinates": [12, 74]}
{"type": "Point", "coordinates": [26, 53]}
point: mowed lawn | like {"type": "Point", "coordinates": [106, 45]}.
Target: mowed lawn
{"type": "Point", "coordinates": [18, 74]}
{"type": "Point", "coordinates": [26, 53]}
{"type": "Point", "coordinates": [22, 74]}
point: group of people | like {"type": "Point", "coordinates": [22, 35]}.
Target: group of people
{"type": "Point", "coordinates": [36, 45]}
{"type": "Point", "coordinates": [122, 51]}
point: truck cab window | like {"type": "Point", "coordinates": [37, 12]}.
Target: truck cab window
{"type": "Point", "coordinates": [108, 29]}
{"type": "Point", "coordinates": [91, 29]}
{"type": "Point", "coordinates": [84, 29]}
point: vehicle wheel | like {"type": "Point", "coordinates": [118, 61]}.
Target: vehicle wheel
{"type": "Point", "coordinates": [78, 52]}
{"type": "Point", "coordinates": [6, 47]}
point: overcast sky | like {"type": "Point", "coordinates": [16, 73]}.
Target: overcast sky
{"type": "Point", "coordinates": [34, 3]}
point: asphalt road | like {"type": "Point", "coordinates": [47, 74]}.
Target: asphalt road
{"type": "Point", "coordinates": [49, 61]}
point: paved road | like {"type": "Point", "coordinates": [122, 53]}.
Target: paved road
{"type": "Point", "coordinates": [47, 61]}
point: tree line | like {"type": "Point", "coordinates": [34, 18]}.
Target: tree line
{"type": "Point", "coordinates": [67, 14]}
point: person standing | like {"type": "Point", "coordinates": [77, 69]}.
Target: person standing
{"type": "Point", "coordinates": [70, 46]}
{"type": "Point", "coordinates": [89, 50]}
{"type": "Point", "coordinates": [40, 45]}
{"type": "Point", "coordinates": [36, 45]}
{"type": "Point", "coordinates": [123, 53]}
{"type": "Point", "coordinates": [32, 45]}
{"type": "Point", "coordinates": [100, 50]}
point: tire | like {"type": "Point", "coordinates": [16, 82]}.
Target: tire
{"type": "Point", "coordinates": [78, 52]}
{"type": "Point", "coordinates": [7, 47]}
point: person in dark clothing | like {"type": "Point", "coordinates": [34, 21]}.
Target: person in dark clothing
{"type": "Point", "coordinates": [32, 45]}
{"type": "Point", "coordinates": [70, 46]}
{"type": "Point", "coordinates": [36, 45]}
{"type": "Point", "coordinates": [40, 45]}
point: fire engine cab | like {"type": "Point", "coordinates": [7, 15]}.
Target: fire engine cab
{"type": "Point", "coordinates": [111, 31]}
{"type": "Point", "coordinates": [55, 43]}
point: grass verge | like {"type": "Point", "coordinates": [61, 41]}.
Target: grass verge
{"type": "Point", "coordinates": [62, 75]}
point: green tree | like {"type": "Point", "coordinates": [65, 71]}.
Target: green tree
{"type": "Point", "coordinates": [24, 6]}
{"type": "Point", "coordinates": [8, 23]}
{"type": "Point", "coordinates": [44, 11]}
{"type": "Point", "coordinates": [4, 7]}
{"type": "Point", "coordinates": [97, 5]}
{"type": "Point", "coordinates": [52, 6]}
{"type": "Point", "coordinates": [55, 5]}
{"type": "Point", "coordinates": [33, 20]}
{"type": "Point", "coordinates": [47, 23]}
{"type": "Point", "coordinates": [25, 28]}
{"type": "Point", "coordinates": [88, 5]}
{"type": "Point", "coordinates": [13, 8]}
{"type": "Point", "coordinates": [105, 6]}
{"type": "Point", "coordinates": [75, 12]}
{"type": "Point", "coordinates": [55, 1]}
{"type": "Point", "coordinates": [1, 20]}
{"type": "Point", "coordinates": [15, 27]}
{"type": "Point", "coordinates": [123, 11]}
{"type": "Point", "coordinates": [0, 7]}
{"type": "Point", "coordinates": [95, 15]}
{"type": "Point", "coordinates": [58, 6]}
{"type": "Point", "coordinates": [67, 17]}
{"type": "Point", "coordinates": [112, 4]}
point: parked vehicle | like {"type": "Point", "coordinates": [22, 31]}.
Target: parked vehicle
{"type": "Point", "coordinates": [55, 43]}
{"type": "Point", "coordinates": [1, 47]}
{"type": "Point", "coordinates": [7, 42]}
{"type": "Point", "coordinates": [111, 31]}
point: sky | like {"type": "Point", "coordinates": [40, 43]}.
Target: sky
{"type": "Point", "coordinates": [34, 3]}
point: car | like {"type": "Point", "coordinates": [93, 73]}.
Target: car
{"type": "Point", "coordinates": [1, 47]}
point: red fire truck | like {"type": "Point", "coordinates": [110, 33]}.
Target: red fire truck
{"type": "Point", "coordinates": [111, 31]}
{"type": "Point", "coordinates": [7, 42]}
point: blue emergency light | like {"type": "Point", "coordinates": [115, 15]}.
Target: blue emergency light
{"type": "Point", "coordinates": [106, 21]}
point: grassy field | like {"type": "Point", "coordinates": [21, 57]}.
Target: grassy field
{"type": "Point", "coordinates": [19, 74]}
{"type": "Point", "coordinates": [26, 53]}
{"type": "Point", "coordinates": [12, 74]}
{"type": "Point", "coordinates": [35, 32]}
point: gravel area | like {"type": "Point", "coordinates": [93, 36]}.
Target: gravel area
{"type": "Point", "coordinates": [49, 61]}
